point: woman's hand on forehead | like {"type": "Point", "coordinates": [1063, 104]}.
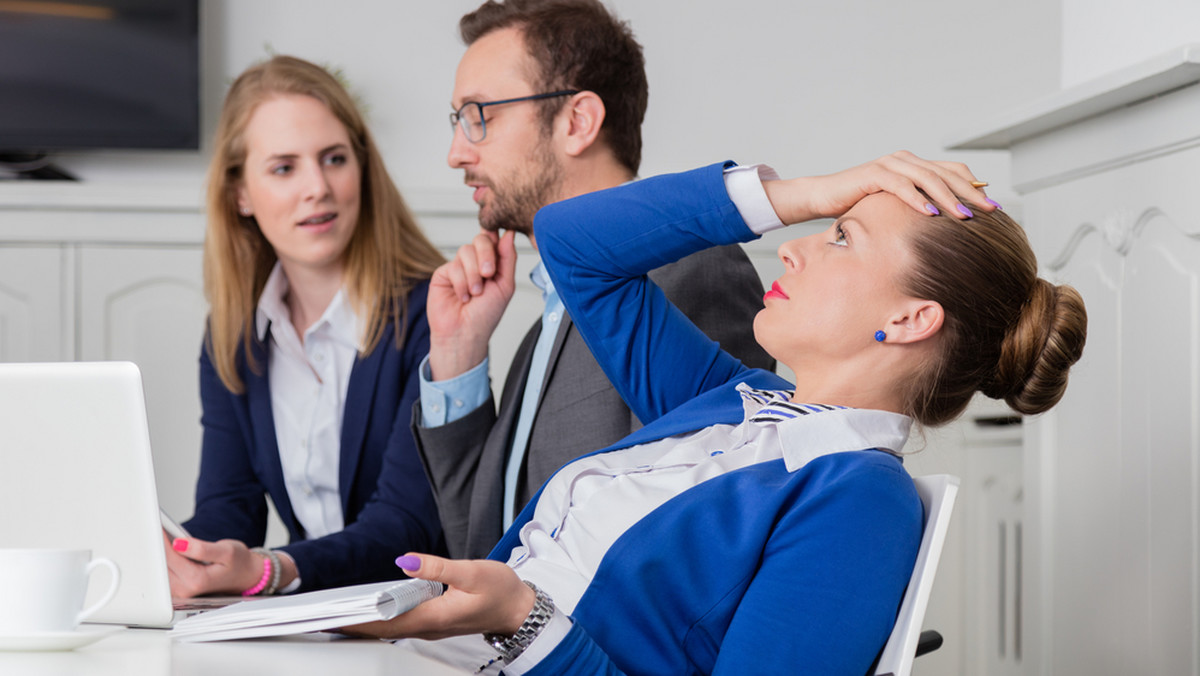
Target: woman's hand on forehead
{"type": "Point", "coordinates": [928, 186]}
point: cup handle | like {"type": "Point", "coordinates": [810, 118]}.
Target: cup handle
{"type": "Point", "coordinates": [112, 590]}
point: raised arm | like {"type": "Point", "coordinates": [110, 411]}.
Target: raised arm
{"type": "Point", "coordinates": [598, 249]}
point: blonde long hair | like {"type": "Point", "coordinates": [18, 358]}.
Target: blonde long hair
{"type": "Point", "coordinates": [387, 255]}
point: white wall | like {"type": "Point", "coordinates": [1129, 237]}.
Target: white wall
{"type": "Point", "coordinates": [809, 87]}
{"type": "Point", "coordinates": [1100, 36]}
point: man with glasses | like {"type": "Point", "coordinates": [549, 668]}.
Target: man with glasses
{"type": "Point", "coordinates": [548, 103]}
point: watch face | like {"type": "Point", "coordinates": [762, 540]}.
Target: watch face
{"type": "Point", "coordinates": [496, 641]}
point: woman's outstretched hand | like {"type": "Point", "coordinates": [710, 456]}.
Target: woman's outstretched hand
{"type": "Point", "coordinates": [902, 174]}
{"type": "Point", "coordinates": [482, 597]}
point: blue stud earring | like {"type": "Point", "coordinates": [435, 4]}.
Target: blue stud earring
{"type": "Point", "coordinates": [879, 336]}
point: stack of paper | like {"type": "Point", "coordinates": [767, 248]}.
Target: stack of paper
{"type": "Point", "coordinates": [313, 611]}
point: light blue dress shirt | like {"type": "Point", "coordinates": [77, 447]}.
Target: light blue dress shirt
{"type": "Point", "coordinates": [448, 400]}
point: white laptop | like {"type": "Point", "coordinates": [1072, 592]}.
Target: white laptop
{"type": "Point", "coordinates": [76, 471]}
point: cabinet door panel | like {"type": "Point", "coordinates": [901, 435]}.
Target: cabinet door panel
{"type": "Point", "coordinates": [33, 304]}
{"type": "Point", "coordinates": [146, 305]}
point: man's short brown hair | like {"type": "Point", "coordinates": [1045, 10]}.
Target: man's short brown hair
{"type": "Point", "coordinates": [578, 44]}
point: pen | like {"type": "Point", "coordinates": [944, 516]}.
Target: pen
{"type": "Point", "coordinates": [171, 526]}
{"type": "Point", "coordinates": [175, 531]}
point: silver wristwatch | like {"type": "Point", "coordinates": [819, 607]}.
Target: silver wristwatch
{"type": "Point", "coordinates": [510, 647]}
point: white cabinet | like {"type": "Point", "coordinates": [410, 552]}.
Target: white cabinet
{"type": "Point", "coordinates": [1109, 171]}
{"type": "Point", "coordinates": [992, 513]}
{"type": "Point", "coordinates": [90, 273]}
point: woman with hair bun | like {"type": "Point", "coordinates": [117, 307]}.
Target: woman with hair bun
{"type": "Point", "coordinates": [316, 275]}
{"type": "Point", "coordinates": [753, 525]}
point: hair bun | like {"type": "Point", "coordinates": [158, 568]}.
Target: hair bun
{"type": "Point", "coordinates": [1037, 353]}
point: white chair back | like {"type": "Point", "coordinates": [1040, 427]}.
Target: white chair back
{"type": "Point", "coordinates": [937, 492]}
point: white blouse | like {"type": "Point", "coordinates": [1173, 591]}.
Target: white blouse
{"type": "Point", "coordinates": [308, 382]}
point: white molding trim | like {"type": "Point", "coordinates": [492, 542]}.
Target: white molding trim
{"type": "Point", "coordinates": [1120, 230]}
{"type": "Point", "coordinates": [1172, 70]}
{"type": "Point", "coordinates": [169, 214]}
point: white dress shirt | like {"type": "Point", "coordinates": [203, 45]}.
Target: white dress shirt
{"type": "Point", "coordinates": [308, 382]}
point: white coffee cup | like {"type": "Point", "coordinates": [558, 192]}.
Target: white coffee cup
{"type": "Point", "coordinates": [42, 590]}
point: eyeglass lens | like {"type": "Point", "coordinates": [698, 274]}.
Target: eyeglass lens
{"type": "Point", "coordinates": [470, 118]}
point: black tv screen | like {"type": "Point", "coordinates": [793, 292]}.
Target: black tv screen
{"type": "Point", "coordinates": [83, 74]}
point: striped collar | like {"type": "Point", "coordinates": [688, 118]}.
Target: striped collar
{"type": "Point", "coordinates": [775, 406]}
{"type": "Point", "coordinates": [837, 428]}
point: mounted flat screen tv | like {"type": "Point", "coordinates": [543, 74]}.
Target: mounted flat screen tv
{"type": "Point", "coordinates": [95, 74]}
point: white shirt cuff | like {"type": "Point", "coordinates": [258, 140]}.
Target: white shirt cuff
{"type": "Point", "coordinates": [744, 184]}
{"type": "Point", "coordinates": [546, 641]}
{"type": "Point", "coordinates": [294, 584]}
{"type": "Point", "coordinates": [444, 401]}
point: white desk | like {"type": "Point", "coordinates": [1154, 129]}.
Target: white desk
{"type": "Point", "coordinates": [150, 652]}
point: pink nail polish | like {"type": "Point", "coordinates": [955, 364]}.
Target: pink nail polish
{"type": "Point", "coordinates": [179, 545]}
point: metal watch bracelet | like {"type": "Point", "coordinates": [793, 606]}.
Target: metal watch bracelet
{"type": "Point", "coordinates": [510, 647]}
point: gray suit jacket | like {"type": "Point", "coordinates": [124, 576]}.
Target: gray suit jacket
{"type": "Point", "coordinates": [578, 410]}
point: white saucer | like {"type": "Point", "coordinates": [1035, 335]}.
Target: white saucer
{"type": "Point", "coordinates": [57, 640]}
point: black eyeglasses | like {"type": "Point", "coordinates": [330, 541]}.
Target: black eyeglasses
{"type": "Point", "coordinates": [469, 115]}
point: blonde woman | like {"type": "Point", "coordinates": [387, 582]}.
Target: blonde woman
{"type": "Point", "coordinates": [316, 274]}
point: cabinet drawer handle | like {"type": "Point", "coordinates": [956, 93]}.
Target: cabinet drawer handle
{"type": "Point", "coordinates": [998, 421]}
{"type": "Point", "coordinates": [1002, 588]}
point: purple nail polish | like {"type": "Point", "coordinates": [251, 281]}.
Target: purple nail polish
{"type": "Point", "coordinates": [408, 562]}
{"type": "Point", "coordinates": [964, 211]}
{"type": "Point", "coordinates": [994, 203]}
{"type": "Point", "coordinates": [933, 211]}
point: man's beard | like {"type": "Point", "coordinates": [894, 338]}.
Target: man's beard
{"type": "Point", "coordinates": [513, 206]}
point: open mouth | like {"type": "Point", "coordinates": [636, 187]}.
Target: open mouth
{"type": "Point", "coordinates": [319, 219]}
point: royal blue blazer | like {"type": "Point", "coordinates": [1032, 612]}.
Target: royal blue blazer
{"type": "Point", "coordinates": [760, 570]}
{"type": "Point", "coordinates": [386, 499]}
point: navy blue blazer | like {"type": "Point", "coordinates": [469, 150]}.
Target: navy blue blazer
{"type": "Point", "coordinates": [386, 499]}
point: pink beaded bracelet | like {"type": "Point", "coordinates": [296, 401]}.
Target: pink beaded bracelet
{"type": "Point", "coordinates": [262, 581]}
